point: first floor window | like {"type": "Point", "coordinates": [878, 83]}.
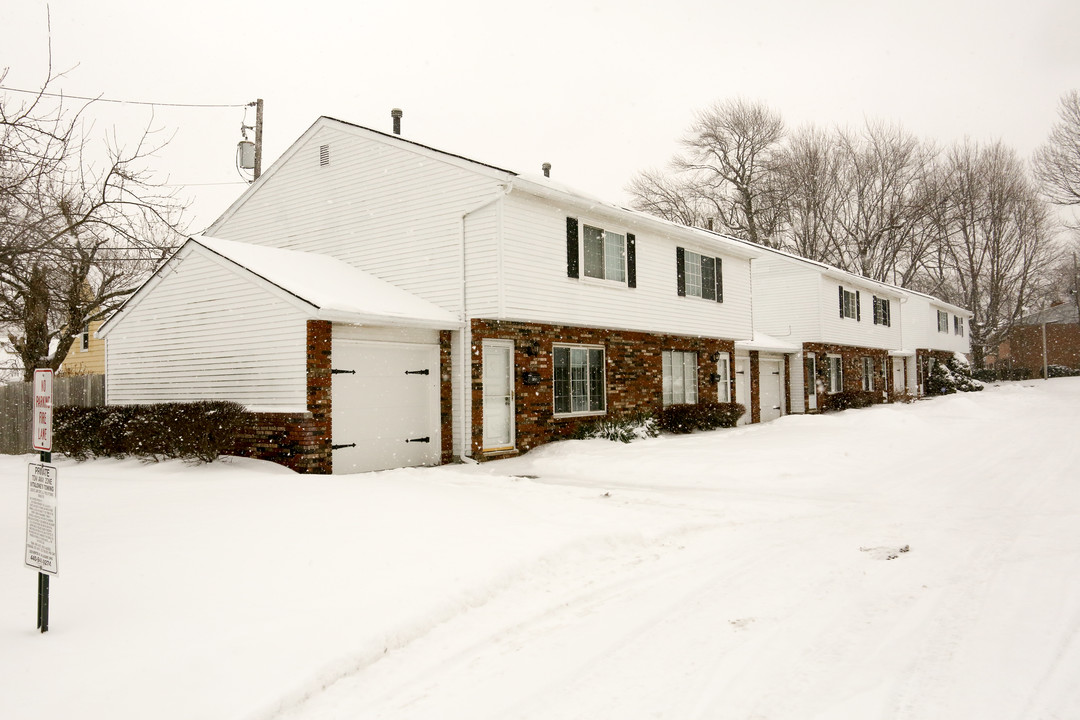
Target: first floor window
{"type": "Point", "coordinates": [868, 373]}
{"type": "Point", "coordinates": [579, 379]}
{"type": "Point", "coordinates": [680, 377]}
{"type": "Point", "coordinates": [836, 373]}
{"type": "Point", "coordinates": [942, 321]}
{"type": "Point", "coordinates": [723, 371]}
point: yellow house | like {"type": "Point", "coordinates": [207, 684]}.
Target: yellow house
{"type": "Point", "coordinates": [87, 353]}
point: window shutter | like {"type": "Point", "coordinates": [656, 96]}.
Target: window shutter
{"type": "Point", "coordinates": [841, 302]}
{"type": "Point", "coordinates": [631, 260]}
{"type": "Point", "coordinates": [571, 247]}
{"type": "Point", "coordinates": [877, 312]}
{"type": "Point", "coordinates": [719, 280]}
{"type": "Point", "coordinates": [680, 271]}
{"type": "Point", "coordinates": [885, 312]}
{"type": "Point", "coordinates": [858, 307]}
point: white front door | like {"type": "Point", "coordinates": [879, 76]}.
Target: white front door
{"type": "Point", "coordinates": [898, 375]}
{"type": "Point", "coordinates": [772, 389]}
{"type": "Point", "coordinates": [811, 381]}
{"type": "Point", "coordinates": [742, 387]}
{"type": "Point", "coordinates": [498, 362]}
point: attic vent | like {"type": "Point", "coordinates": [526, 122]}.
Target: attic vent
{"type": "Point", "coordinates": [324, 155]}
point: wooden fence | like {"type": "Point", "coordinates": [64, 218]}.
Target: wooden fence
{"type": "Point", "coordinates": [16, 404]}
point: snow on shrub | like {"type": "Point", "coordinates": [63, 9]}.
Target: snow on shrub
{"type": "Point", "coordinates": [200, 431]}
{"type": "Point", "coordinates": [952, 376]}
{"type": "Point", "coordinates": [699, 416]}
{"type": "Point", "coordinates": [636, 427]}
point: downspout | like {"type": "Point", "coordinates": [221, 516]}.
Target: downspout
{"type": "Point", "coordinates": [466, 330]}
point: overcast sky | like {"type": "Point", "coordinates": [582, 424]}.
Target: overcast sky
{"type": "Point", "coordinates": [600, 90]}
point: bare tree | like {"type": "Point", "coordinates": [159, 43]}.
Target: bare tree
{"type": "Point", "coordinates": [808, 177]}
{"type": "Point", "coordinates": [1057, 162]}
{"type": "Point", "coordinates": [77, 232]}
{"type": "Point", "coordinates": [1001, 240]}
{"type": "Point", "coordinates": [724, 173]}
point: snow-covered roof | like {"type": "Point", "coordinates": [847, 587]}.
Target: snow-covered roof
{"type": "Point", "coordinates": [1064, 313]}
{"type": "Point", "coordinates": [767, 343]}
{"type": "Point", "coordinates": [334, 290]}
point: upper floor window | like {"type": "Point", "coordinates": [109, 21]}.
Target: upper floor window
{"type": "Point", "coordinates": [958, 325]}
{"type": "Point", "coordinates": [942, 321]}
{"type": "Point", "coordinates": [881, 312]}
{"type": "Point", "coordinates": [84, 339]}
{"type": "Point", "coordinates": [680, 377]}
{"type": "Point", "coordinates": [579, 379]}
{"type": "Point", "coordinates": [698, 275]}
{"type": "Point", "coordinates": [849, 304]}
{"type": "Point", "coordinates": [605, 254]}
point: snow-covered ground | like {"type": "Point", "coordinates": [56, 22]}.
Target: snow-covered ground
{"type": "Point", "coordinates": [742, 574]}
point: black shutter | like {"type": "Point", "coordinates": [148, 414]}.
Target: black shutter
{"type": "Point", "coordinates": [841, 301]}
{"type": "Point", "coordinates": [631, 260]}
{"type": "Point", "coordinates": [886, 317]}
{"type": "Point", "coordinates": [571, 247]}
{"type": "Point", "coordinates": [719, 280]}
{"type": "Point", "coordinates": [680, 271]}
{"type": "Point", "coordinates": [858, 308]}
{"type": "Point", "coordinates": [876, 311]}
{"type": "Point", "coordinates": [708, 278]}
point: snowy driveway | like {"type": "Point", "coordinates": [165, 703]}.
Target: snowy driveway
{"type": "Point", "coordinates": [749, 573]}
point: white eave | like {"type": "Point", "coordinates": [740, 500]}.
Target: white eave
{"type": "Point", "coordinates": [767, 343]}
{"type": "Point", "coordinates": [902, 353]}
{"type": "Point", "coordinates": [325, 287]}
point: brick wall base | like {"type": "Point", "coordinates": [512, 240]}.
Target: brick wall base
{"type": "Point", "coordinates": [633, 375]}
{"type": "Point", "coordinates": [851, 362]}
{"type": "Point", "coordinates": [295, 440]}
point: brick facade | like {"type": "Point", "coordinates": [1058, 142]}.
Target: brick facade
{"type": "Point", "coordinates": [300, 441]}
{"type": "Point", "coordinates": [851, 363]}
{"type": "Point", "coordinates": [633, 375]}
{"type": "Point", "coordinates": [1025, 346]}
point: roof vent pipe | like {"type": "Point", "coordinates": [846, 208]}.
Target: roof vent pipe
{"type": "Point", "coordinates": [547, 169]}
{"type": "Point", "coordinates": [396, 114]}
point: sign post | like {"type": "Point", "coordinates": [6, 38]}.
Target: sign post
{"type": "Point", "coordinates": [41, 506]}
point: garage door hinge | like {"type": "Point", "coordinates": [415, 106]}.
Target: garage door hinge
{"type": "Point", "coordinates": [342, 372]}
{"type": "Point", "coordinates": [425, 371]}
{"type": "Point", "coordinates": [423, 439]}
{"type": "Point", "coordinates": [338, 447]}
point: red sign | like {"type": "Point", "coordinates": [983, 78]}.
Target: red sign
{"type": "Point", "coordinates": [43, 383]}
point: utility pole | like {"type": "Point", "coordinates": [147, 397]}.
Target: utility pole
{"type": "Point", "coordinates": [258, 137]}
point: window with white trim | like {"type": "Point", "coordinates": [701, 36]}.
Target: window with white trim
{"type": "Point", "coordinates": [835, 366]}
{"type": "Point", "coordinates": [605, 254]}
{"type": "Point", "coordinates": [958, 326]}
{"type": "Point", "coordinates": [881, 312]}
{"type": "Point", "coordinates": [723, 372]}
{"type": "Point", "coordinates": [579, 380]}
{"type": "Point", "coordinates": [849, 304]}
{"type": "Point", "coordinates": [84, 339]}
{"type": "Point", "coordinates": [868, 373]}
{"type": "Point", "coordinates": [680, 377]}
{"type": "Point", "coordinates": [698, 275]}
{"type": "Point", "coordinates": [942, 321]}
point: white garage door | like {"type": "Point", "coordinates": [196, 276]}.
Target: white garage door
{"type": "Point", "coordinates": [385, 405]}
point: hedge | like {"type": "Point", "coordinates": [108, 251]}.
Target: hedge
{"type": "Point", "coordinates": [699, 416]}
{"type": "Point", "coordinates": [200, 431]}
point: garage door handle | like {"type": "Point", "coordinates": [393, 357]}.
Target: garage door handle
{"type": "Point", "coordinates": [338, 447]}
{"type": "Point", "coordinates": [423, 439]}
{"type": "Point", "coordinates": [342, 372]}
{"type": "Point", "coordinates": [425, 371]}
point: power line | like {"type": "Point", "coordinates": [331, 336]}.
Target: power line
{"type": "Point", "coordinates": [123, 102]}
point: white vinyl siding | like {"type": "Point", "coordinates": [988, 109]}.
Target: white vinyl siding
{"type": "Point", "coordinates": [203, 333]}
{"type": "Point", "coordinates": [539, 290]}
{"type": "Point", "coordinates": [680, 377]}
{"type": "Point", "coordinates": [384, 206]}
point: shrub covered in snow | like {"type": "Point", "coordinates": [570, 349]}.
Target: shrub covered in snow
{"type": "Point", "coordinates": [699, 416]}
{"type": "Point", "coordinates": [636, 427]}
{"type": "Point", "coordinates": [1062, 371]}
{"type": "Point", "coordinates": [952, 376]}
{"type": "Point", "coordinates": [191, 431]}
{"type": "Point", "coordinates": [850, 399]}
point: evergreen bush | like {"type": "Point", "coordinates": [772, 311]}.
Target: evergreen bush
{"type": "Point", "coordinates": [699, 416]}
{"type": "Point", "coordinates": [200, 431]}
{"type": "Point", "coordinates": [952, 376]}
{"type": "Point", "coordinates": [635, 427]}
{"type": "Point", "coordinates": [850, 399]}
